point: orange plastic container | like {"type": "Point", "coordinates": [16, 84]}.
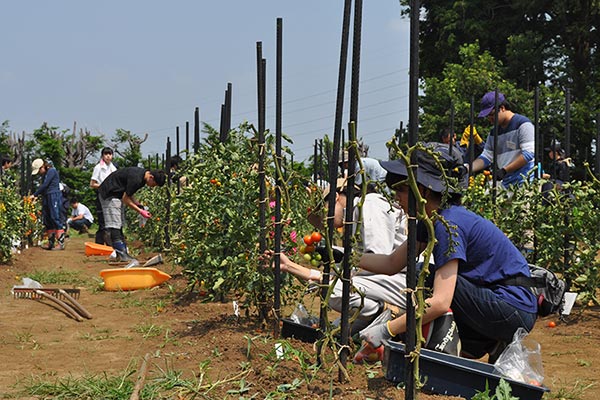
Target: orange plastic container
{"type": "Point", "coordinates": [95, 249]}
{"type": "Point", "coordinates": [132, 278]}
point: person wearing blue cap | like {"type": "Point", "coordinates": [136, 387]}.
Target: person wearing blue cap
{"type": "Point", "coordinates": [516, 142]}
{"type": "Point", "coordinates": [473, 259]}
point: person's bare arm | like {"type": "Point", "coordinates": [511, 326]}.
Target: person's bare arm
{"type": "Point", "coordinates": [299, 271]}
{"type": "Point", "coordinates": [388, 264]}
{"type": "Point", "coordinates": [131, 202]}
{"type": "Point", "coordinates": [444, 284]}
{"type": "Point", "coordinates": [478, 165]}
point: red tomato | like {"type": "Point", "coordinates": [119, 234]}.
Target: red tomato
{"type": "Point", "coordinates": [309, 249]}
{"type": "Point", "coordinates": [551, 324]}
{"type": "Point", "coordinates": [308, 239]}
{"type": "Point", "coordinates": [316, 237]}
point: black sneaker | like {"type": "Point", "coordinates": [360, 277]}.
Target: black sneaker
{"type": "Point", "coordinates": [495, 352]}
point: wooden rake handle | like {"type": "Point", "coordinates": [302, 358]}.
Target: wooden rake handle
{"type": "Point", "coordinates": [85, 313]}
{"type": "Point", "coordinates": [64, 306]}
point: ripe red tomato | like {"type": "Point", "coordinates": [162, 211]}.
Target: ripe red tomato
{"type": "Point", "coordinates": [308, 239]}
{"type": "Point", "coordinates": [316, 237]}
{"type": "Point", "coordinates": [309, 249]}
{"type": "Point", "coordinates": [551, 324]}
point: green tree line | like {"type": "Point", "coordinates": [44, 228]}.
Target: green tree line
{"type": "Point", "coordinates": [470, 47]}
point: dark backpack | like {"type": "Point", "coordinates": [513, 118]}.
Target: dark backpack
{"type": "Point", "coordinates": [547, 288]}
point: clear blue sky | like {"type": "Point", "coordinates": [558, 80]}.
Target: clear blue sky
{"type": "Point", "coordinates": [145, 65]}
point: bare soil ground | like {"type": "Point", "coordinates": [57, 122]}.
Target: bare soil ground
{"type": "Point", "coordinates": [40, 343]}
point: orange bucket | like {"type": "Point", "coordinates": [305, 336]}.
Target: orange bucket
{"type": "Point", "coordinates": [132, 278]}
{"type": "Point", "coordinates": [95, 249]}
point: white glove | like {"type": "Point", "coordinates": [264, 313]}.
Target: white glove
{"type": "Point", "coordinates": [378, 332]}
{"type": "Point", "coordinates": [376, 335]}
{"type": "Point", "coordinates": [69, 220]}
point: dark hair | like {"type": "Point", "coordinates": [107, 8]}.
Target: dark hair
{"type": "Point", "coordinates": [107, 150]}
{"type": "Point", "coordinates": [6, 159]}
{"type": "Point", "coordinates": [392, 180]}
{"type": "Point", "coordinates": [175, 161]}
{"type": "Point", "coordinates": [445, 134]}
{"type": "Point", "coordinates": [159, 176]}
{"type": "Point", "coordinates": [74, 199]}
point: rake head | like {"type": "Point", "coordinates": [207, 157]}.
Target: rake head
{"type": "Point", "coordinates": [28, 293]}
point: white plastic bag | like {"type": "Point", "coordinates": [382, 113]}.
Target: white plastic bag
{"type": "Point", "coordinates": [302, 316]}
{"type": "Point", "coordinates": [522, 360]}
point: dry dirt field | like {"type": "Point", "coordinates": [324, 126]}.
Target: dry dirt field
{"type": "Point", "coordinates": [201, 350]}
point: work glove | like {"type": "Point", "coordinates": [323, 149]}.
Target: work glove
{"type": "Point", "coordinates": [338, 256]}
{"type": "Point", "coordinates": [145, 213]}
{"type": "Point", "coordinates": [499, 174]}
{"type": "Point", "coordinates": [69, 220]}
{"type": "Point", "coordinates": [464, 140]}
{"type": "Point", "coordinates": [376, 335]}
{"type": "Point", "coordinates": [378, 332]}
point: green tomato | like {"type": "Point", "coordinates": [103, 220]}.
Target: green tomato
{"type": "Point", "coordinates": [318, 257]}
{"type": "Point", "coordinates": [307, 257]}
{"type": "Point", "coordinates": [315, 263]}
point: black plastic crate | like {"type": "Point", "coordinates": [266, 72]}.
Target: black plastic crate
{"type": "Point", "coordinates": [291, 329]}
{"type": "Point", "coordinates": [451, 375]}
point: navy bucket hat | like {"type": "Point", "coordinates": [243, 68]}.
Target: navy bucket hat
{"type": "Point", "coordinates": [428, 171]}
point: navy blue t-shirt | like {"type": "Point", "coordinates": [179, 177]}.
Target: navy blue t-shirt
{"type": "Point", "coordinates": [485, 255]}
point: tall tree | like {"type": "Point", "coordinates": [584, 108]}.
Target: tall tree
{"type": "Point", "coordinates": [127, 147]}
{"type": "Point", "coordinates": [552, 43]}
{"type": "Point", "coordinates": [474, 74]}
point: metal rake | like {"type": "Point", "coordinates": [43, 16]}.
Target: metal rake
{"type": "Point", "coordinates": [56, 295]}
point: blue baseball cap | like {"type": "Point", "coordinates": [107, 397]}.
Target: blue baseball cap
{"type": "Point", "coordinates": [488, 103]}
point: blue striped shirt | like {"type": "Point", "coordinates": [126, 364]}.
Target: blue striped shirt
{"type": "Point", "coordinates": [518, 138]}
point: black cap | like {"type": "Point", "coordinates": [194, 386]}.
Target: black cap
{"type": "Point", "coordinates": [555, 146]}
{"type": "Point", "coordinates": [428, 170]}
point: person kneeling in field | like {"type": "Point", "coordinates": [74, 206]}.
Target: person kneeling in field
{"type": "Point", "coordinates": [383, 229]}
{"type": "Point", "coordinates": [473, 258]}
{"type": "Point", "coordinates": [81, 217]}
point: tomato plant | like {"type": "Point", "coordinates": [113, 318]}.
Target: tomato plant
{"type": "Point", "coordinates": [20, 222]}
{"type": "Point", "coordinates": [217, 229]}
{"type": "Point", "coordinates": [556, 230]}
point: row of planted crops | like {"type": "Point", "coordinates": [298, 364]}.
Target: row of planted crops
{"type": "Point", "coordinates": [210, 221]}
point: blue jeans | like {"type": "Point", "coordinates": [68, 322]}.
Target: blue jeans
{"type": "Point", "coordinates": [78, 224]}
{"type": "Point", "coordinates": [483, 318]}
